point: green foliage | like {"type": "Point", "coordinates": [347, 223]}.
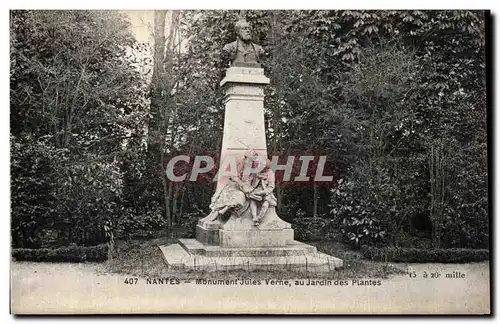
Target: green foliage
{"type": "Point", "coordinates": [412, 101]}
{"type": "Point", "coordinates": [77, 100]}
{"type": "Point", "coordinates": [311, 229]}
{"type": "Point", "coordinates": [361, 217]}
{"type": "Point", "coordinates": [363, 230]}
{"type": "Point", "coordinates": [68, 70]}
{"type": "Point", "coordinates": [98, 253]}
{"type": "Point", "coordinates": [35, 167]}
{"type": "Point", "coordinates": [134, 224]}
{"type": "Point", "coordinates": [395, 98]}
{"type": "Point", "coordinates": [415, 255]}
{"type": "Point", "coordinates": [189, 222]}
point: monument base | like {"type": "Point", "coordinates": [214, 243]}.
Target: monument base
{"type": "Point", "coordinates": [190, 254]}
{"type": "Point", "coordinates": [237, 243]}
{"type": "Point", "coordinates": [241, 231]}
{"type": "Point", "coordinates": [256, 238]}
{"type": "Point", "coordinates": [206, 235]}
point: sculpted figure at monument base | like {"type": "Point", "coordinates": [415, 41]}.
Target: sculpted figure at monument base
{"type": "Point", "coordinates": [246, 190]}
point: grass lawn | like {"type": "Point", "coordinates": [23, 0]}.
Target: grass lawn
{"type": "Point", "coordinates": [143, 258]}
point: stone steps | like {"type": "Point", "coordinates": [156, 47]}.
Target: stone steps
{"type": "Point", "coordinates": [177, 256]}
{"type": "Point", "coordinates": [193, 246]}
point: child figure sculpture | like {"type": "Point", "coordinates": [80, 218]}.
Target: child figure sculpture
{"type": "Point", "coordinates": [258, 188]}
{"type": "Point", "coordinates": [253, 190]}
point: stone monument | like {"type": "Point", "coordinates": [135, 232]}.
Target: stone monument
{"type": "Point", "coordinates": [243, 229]}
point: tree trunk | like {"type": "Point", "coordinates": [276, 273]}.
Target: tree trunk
{"type": "Point", "coordinates": [175, 211]}
{"type": "Point", "coordinates": [315, 199]}
{"type": "Point", "coordinates": [155, 145]}
{"type": "Point", "coordinates": [437, 188]}
{"type": "Point", "coordinates": [279, 198]}
{"type": "Point", "coordinates": [158, 68]}
{"type": "Point", "coordinates": [181, 204]}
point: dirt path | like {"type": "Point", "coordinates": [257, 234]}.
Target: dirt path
{"type": "Point", "coordinates": [44, 288]}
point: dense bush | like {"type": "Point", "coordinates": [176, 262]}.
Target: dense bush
{"type": "Point", "coordinates": [393, 254]}
{"type": "Point", "coordinates": [358, 214]}
{"type": "Point", "coordinates": [97, 253]}
{"type": "Point", "coordinates": [70, 117]}
{"type": "Point", "coordinates": [35, 165]}
{"type": "Point", "coordinates": [311, 228]}
{"type": "Point", "coordinates": [362, 230]}
{"type": "Point", "coordinates": [406, 240]}
{"type": "Point", "coordinates": [133, 224]}
{"type": "Point", "coordinates": [189, 221]}
{"type": "Point", "coordinates": [417, 158]}
{"type": "Point", "coordinates": [395, 98]}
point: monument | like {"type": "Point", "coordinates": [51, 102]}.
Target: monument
{"type": "Point", "coordinates": [243, 229]}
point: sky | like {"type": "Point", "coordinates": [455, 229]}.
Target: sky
{"type": "Point", "coordinates": [142, 23]}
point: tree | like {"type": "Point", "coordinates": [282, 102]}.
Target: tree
{"type": "Point", "coordinates": [76, 94]}
{"type": "Point", "coordinates": [396, 99]}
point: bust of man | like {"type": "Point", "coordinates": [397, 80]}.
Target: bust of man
{"type": "Point", "coordinates": [243, 51]}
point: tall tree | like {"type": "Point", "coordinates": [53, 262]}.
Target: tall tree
{"type": "Point", "coordinates": [77, 96]}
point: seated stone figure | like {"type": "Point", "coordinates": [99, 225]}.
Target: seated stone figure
{"type": "Point", "coordinates": [263, 183]}
{"type": "Point", "coordinates": [229, 198]}
{"type": "Point", "coordinates": [254, 190]}
{"type": "Point", "coordinates": [258, 188]}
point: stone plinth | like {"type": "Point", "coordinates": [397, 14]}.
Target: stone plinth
{"type": "Point", "coordinates": [241, 231]}
{"type": "Point", "coordinates": [238, 244]}
{"type": "Point", "coordinates": [190, 254]}
{"type": "Point", "coordinates": [237, 75]}
{"type": "Point", "coordinates": [206, 235]}
{"type": "Point", "coordinates": [256, 237]}
{"type": "Point", "coordinates": [293, 248]}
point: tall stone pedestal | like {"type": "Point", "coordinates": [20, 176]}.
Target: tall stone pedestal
{"type": "Point", "coordinates": [237, 242]}
{"type": "Point", "coordinates": [244, 127]}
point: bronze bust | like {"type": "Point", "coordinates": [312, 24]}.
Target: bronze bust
{"type": "Point", "coordinates": [243, 51]}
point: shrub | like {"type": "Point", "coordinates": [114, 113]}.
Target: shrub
{"type": "Point", "coordinates": [395, 254]}
{"type": "Point", "coordinates": [136, 223]}
{"type": "Point", "coordinates": [363, 210]}
{"type": "Point", "coordinates": [419, 240]}
{"type": "Point", "coordinates": [35, 166]}
{"type": "Point", "coordinates": [189, 221]}
{"type": "Point", "coordinates": [97, 253]}
{"type": "Point", "coordinates": [359, 230]}
{"type": "Point", "coordinates": [310, 228]}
